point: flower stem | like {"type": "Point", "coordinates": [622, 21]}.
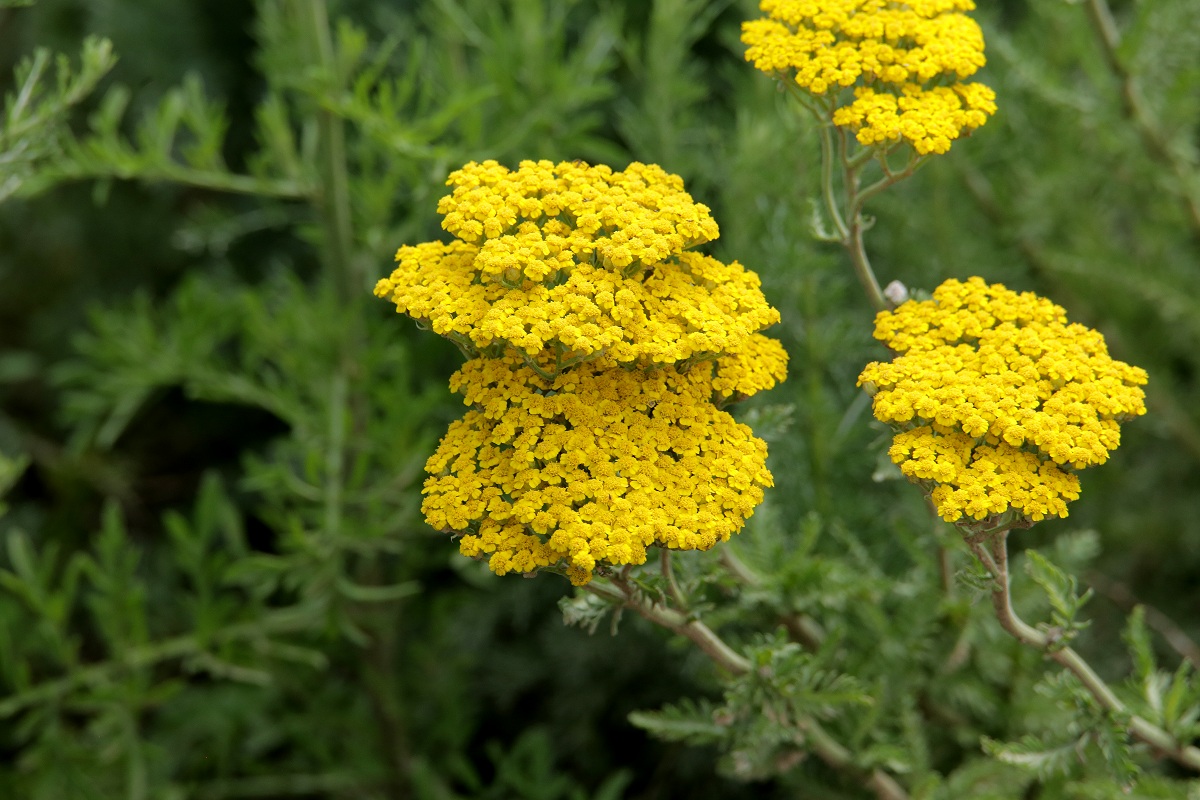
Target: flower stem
{"type": "Point", "coordinates": [852, 238]}
{"type": "Point", "coordinates": [700, 634]}
{"type": "Point", "coordinates": [334, 194]}
{"type": "Point", "coordinates": [849, 224]}
{"type": "Point", "coordinates": [997, 562]}
{"type": "Point", "coordinates": [669, 576]}
{"type": "Point", "coordinates": [828, 192]}
{"type": "Point", "coordinates": [801, 627]}
{"type": "Point", "coordinates": [814, 737]}
{"type": "Point", "coordinates": [862, 265]}
{"type": "Point", "coordinates": [1156, 141]}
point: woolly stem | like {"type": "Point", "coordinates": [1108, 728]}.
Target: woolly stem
{"type": "Point", "coordinates": [997, 563]}
{"type": "Point", "coordinates": [814, 737]}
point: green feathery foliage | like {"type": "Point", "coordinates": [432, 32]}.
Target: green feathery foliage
{"type": "Point", "coordinates": [215, 581]}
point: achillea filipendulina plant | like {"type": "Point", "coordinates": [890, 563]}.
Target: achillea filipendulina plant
{"type": "Point", "coordinates": [997, 401]}
{"type": "Point", "coordinates": [906, 62]}
{"type": "Point", "coordinates": [602, 351]}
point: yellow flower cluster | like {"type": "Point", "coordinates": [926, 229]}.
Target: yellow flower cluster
{"type": "Point", "coordinates": [577, 261]}
{"type": "Point", "coordinates": [592, 467]}
{"type": "Point", "coordinates": [906, 60]}
{"type": "Point", "coordinates": [545, 217]}
{"type": "Point", "coordinates": [604, 351]}
{"type": "Point", "coordinates": [997, 400]}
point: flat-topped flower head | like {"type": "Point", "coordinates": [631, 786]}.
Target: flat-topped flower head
{"type": "Point", "coordinates": [603, 350]}
{"type": "Point", "coordinates": [543, 218]}
{"type": "Point", "coordinates": [590, 468]}
{"type": "Point", "coordinates": [998, 400]}
{"type": "Point", "coordinates": [907, 63]}
{"type": "Point", "coordinates": [565, 263]}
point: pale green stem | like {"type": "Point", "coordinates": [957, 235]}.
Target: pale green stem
{"type": "Point", "coordinates": [835, 755]}
{"type": "Point", "coordinates": [700, 634]}
{"type": "Point", "coordinates": [852, 240]}
{"type": "Point", "coordinates": [738, 568]}
{"type": "Point", "coordinates": [997, 563]}
{"type": "Point", "coordinates": [190, 176]}
{"type": "Point", "coordinates": [849, 225]}
{"type": "Point", "coordinates": [821, 112]}
{"type": "Point", "coordinates": [815, 737]}
{"type": "Point", "coordinates": [828, 191]}
{"type": "Point", "coordinates": [335, 455]}
{"type": "Point", "coordinates": [1155, 139]}
{"type": "Point", "coordinates": [669, 576]}
{"type": "Point", "coordinates": [890, 179]}
{"type": "Point", "coordinates": [862, 265]}
{"type": "Point", "coordinates": [282, 621]}
{"type": "Point", "coordinates": [334, 197]}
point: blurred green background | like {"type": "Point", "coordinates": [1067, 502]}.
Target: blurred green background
{"type": "Point", "coordinates": [216, 560]}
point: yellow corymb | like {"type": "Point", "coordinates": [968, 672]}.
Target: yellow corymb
{"type": "Point", "coordinates": [592, 467]}
{"type": "Point", "coordinates": [563, 263]}
{"type": "Point", "coordinates": [997, 400]}
{"type": "Point", "coordinates": [907, 63]}
{"type": "Point", "coordinates": [603, 350]}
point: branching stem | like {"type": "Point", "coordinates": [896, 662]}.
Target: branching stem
{"type": "Point", "coordinates": [846, 213]}
{"type": "Point", "coordinates": [815, 737]}
{"type": "Point", "coordinates": [993, 552]}
{"type": "Point", "coordinates": [622, 593]}
{"type": "Point", "coordinates": [285, 620]}
{"type": "Point", "coordinates": [852, 238]}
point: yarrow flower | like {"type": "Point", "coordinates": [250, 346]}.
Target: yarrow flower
{"type": "Point", "coordinates": [997, 401]}
{"type": "Point", "coordinates": [602, 352]}
{"type": "Point", "coordinates": [906, 61]}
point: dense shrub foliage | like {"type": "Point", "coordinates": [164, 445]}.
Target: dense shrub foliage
{"type": "Point", "coordinates": [216, 578]}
